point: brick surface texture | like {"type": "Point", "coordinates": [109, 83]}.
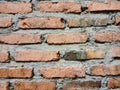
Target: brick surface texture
{"type": "Point", "coordinates": [59, 44]}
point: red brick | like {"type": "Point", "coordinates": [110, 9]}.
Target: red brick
{"type": "Point", "coordinates": [32, 55]}
{"type": "Point", "coordinates": [20, 38]}
{"type": "Point", "coordinates": [95, 54]}
{"type": "Point", "coordinates": [103, 6]}
{"type": "Point", "coordinates": [4, 86]}
{"type": "Point", "coordinates": [25, 85]}
{"type": "Point", "coordinates": [63, 72]}
{"type": "Point", "coordinates": [14, 8]}
{"type": "Point", "coordinates": [117, 20]}
{"type": "Point", "coordinates": [113, 83]}
{"type": "Point", "coordinates": [67, 38]}
{"type": "Point", "coordinates": [15, 73]}
{"type": "Point", "coordinates": [103, 70]}
{"type": "Point", "coordinates": [107, 37]}
{"type": "Point", "coordinates": [68, 7]}
{"type": "Point", "coordinates": [4, 56]}
{"type": "Point", "coordinates": [5, 22]}
{"type": "Point", "coordinates": [48, 22]}
{"type": "Point", "coordinates": [115, 51]}
{"type": "Point", "coordinates": [85, 85]}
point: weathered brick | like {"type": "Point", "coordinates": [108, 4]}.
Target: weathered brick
{"type": "Point", "coordinates": [87, 21]}
{"type": "Point", "coordinates": [68, 7]}
{"type": "Point", "coordinates": [4, 56]}
{"type": "Point", "coordinates": [113, 83]}
{"type": "Point", "coordinates": [32, 55]}
{"type": "Point", "coordinates": [5, 22]}
{"type": "Point", "coordinates": [63, 72]}
{"type": "Point", "coordinates": [67, 38]}
{"type": "Point", "coordinates": [95, 54]}
{"type": "Point", "coordinates": [21, 7]}
{"type": "Point", "coordinates": [117, 20]}
{"type": "Point", "coordinates": [20, 38]}
{"type": "Point", "coordinates": [103, 70]}
{"type": "Point", "coordinates": [84, 55]}
{"type": "Point", "coordinates": [107, 37]}
{"type": "Point", "coordinates": [25, 85]}
{"type": "Point", "coordinates": [85, 85]}
{"type": "Point", "coordinates": [48, 22]}
{"type": "Point", "coordinates": [4, 86]}
{"type": "Point", "coordinates": [115, 52]}
{"type": "Point", "coordinates": [106, 6]}
{"type": "Point", "coordinates": [101, 22]}
{"type": "Point", "coordinates": [75, 55]}
{"type": "Point", "coordinates": [80, 22]}
{"type": "Point", "coordinates": [15, 73]}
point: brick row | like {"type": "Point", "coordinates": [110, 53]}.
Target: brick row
{"type": "Point", "coordinates": [56, 22]}
{"type": "Point", "coordinates": [44, 56]}
{"type": "Point", "coordinates": [66, 38]}
{"type": "Point", "coordinates": [67, 7]}
{"type": "Point", "coordinates": [112, 83]}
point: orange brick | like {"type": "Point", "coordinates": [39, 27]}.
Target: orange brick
{"type": "Point", "coordinates": [103, 6]}
{"type": "Point", "coordinates": [4, 86]}
{"type": "Point", "coordinates": [115, 52]}
{"type": "Point", "coordinates": [20, 38]}
{"type": "Point", "coordinates": [113, 83]}
{"type": "Point", "coordinates": [32, 55]}
{"type": "Point", "coordinates": [21, 7]}
{"type": "Point", "coordinates": [95, 54]}
{"type": "Point", "coordinates": [107, 37]}
{"type": "Point", "coordinates": [67, 38]}
{"type": "Point", "coordinates": [5, 22]}
{"type": "Point", "coordinates": [117, 20]}
{"type": "Point", "coordinates": [48, 22]}
{"type": "Point", "coordinates": [15, 73]}
{"type": "Point", "coordinates": [102, 70]}
{"type": "Point", "coordinates": [63, 72]}
{"type": "Point", "coordinates": [4, 56]}
{"type": "Point", "coordinates": [25, 85]}
{"type": "Point", "coordinates": [68, 7]}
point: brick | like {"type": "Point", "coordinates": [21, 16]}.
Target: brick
{"type": "Point", "coordinates": [4, 56]}
{"type": "Point", "coordinates": [117, 20]}
{"type": "Point", "coordinates": [83, 22]}
{"type": "Point", "coordinates": [113, 83]}
{"type": "Point", "coordinates": [87, 22]}
{"type": "Point", "coordinates": [115, 52]}
{"type": "Point", "coordinates": [63, 72]}
{"type": "Point", "coordinates": [15, 73]}
{"type": "Point", "coordinates": [75, 55]}
{"type": "Point", "coordinates": [107, 37]}
{"type": "Point", "coordinates": [32, 55]}
{"type": "Point", "coordinates": [67, 38]}
{"type": "Point", "coordinates": [5, 22]}
{"type": "Point", "coordinates": [68, 7]}
{"type": "Point", "coordinates": [103, 70]}
{"type": "Point", "coordinates": [101, 22]}
{"type": "Point", "coordinates": [48, 22]}
{"type": "Point", "coordinates": [84, 54]}
{"type": "Point", "coordinates": [25, 85]}
{"type": "Point", "coordinates": [95, 54]}
{"type": "Point", "coordinates": [13, 8]}
{"type": "Point", "coordinates": [4, 86]}
{"type": "Point", "coordinates": [103, 6]}
{"type": "Point", "coordinates": [20, 38]}
{"type": "Point", "coordinates": [85, 85]}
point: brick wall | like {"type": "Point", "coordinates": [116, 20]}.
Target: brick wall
{"type": "Point", "coordinates": [59, 44]}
